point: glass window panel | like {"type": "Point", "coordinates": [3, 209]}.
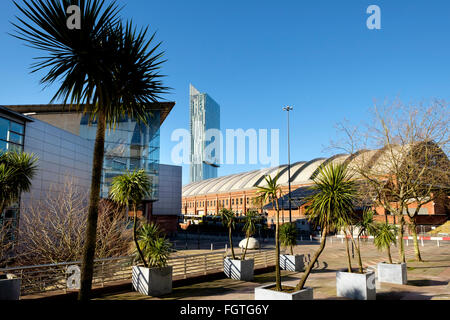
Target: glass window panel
{"type": "Point", "coordinates": [129, 146]}
{"type": "Point", "coordinates": [14, 147]}
{"type": "Point", "coordinates": [3, 145]}
{"type": "Point", "coordinates": [16, 138]}
{"type": "Point", "coordinates": [16, 127]}
{"type": "Point", "coordinates": [4, 127]}
{"type": "Point", "coordinates": [134, 164]}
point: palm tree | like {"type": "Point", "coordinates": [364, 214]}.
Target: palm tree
{"type": "Point", "coordinates": [288, 236]}
{"type": "Point", "coordinates": [385, 237]}
{"type": "Point", "coordinates": [106, 68]}
{"type": "Point", "coordinates": [342, 224]}
{"type": "Point", "coordinates": [251, 218]}
{"type": "Point", "coordinates": [332, 202]}
{"type": "Point", "coordinates": [131, 187]}
{"type": "Point", "coordinates": [271, 192]}
{"type": "Point", "coordinates": [229, 221]}
{"type": "Point", "coordinates": [17, 169]}
{"type": "Point", "coordinates": [366, 226]}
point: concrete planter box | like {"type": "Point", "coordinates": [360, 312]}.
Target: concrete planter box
{"type": "Point", "coordinates": [292, 263]}
{"type": "Point", "coordinates": [152, 281]}
{"type": "Point", "coordinates": [356, 286]}
{"type": "Point", "coordinates": [392, 273]}
{"type": "Point", "coordinates": [10, 289]}
{"type": "Point", "coordinates": [265, 293]}
{"type": "Point", "coordinates": [239, 269]}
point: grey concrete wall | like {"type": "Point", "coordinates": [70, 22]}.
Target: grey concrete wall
{"type": "Point", "coordinates": [62, 155]}
{"type": "Point", "coordinates": [169, 200]}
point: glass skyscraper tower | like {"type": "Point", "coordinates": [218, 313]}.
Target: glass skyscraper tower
{"type": "Point", "coordinates": [204, 115]}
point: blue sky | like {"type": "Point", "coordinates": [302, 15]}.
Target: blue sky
{"type": "Point", "coordinates": [254, 57]}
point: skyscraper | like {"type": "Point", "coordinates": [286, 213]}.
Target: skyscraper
{"type": "Point", "coordinates": [204, 115]}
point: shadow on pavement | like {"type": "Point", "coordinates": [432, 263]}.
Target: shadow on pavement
{"type": "Point", "coordinates": [426, 283]}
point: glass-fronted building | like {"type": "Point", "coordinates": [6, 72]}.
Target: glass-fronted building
{"type": "Point", "coordinates": [63, 142]}
{"type": "Point", "coordinates": [130, 146]}
{"type": "Point", "coordinates": [204, 115]}
{"type": "Point", "coordinates": [12, 132]}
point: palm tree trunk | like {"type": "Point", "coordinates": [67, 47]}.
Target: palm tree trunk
{"type": "Point", "coordinates": [401, 247]}
{"type": "Point", "coordinates": [87, 267]}
{"type": "Point", "coordinates": [246, 246]}
{"type": "Point", "coordinates": [358, 251]}
{"type": "Point", "coordinates": [277, 251]}
{"type": "Point", "coordinates": [348, 253]}
{"type": "Point", "coordinates": [292, 250]}
{"type": "Point", "coordinates": [231, 243]}
{"type": "Point", "coordinates": [305, 276]}
{"type": "Point", "coordinates": [416, 242]}
{"type": "Point", "coordinates": [135, 238]}
{"type": "Point", "coordinates": [389, 254]}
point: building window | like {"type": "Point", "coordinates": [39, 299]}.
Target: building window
{"type": "Point", "coordinates": [232, 201]}
{"type": "Point", "coordinates": [227, 201]}
{"type": "Point", "coordinates": [240, 201]}
{"type": "Point", "coordinates": [11, 135]}
{"type": "Point", "coordinates": [131, 145]}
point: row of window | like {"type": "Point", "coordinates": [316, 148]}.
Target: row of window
{"type": "Point", "coordinates": [209, 203]}
{"type": "Point", "coordinates": [11, 135]}
{"type": "Point", "coordinates": [11, 139]}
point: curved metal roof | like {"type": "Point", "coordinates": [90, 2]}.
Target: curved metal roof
{"type": "Point", "coordinates": [301, 172]}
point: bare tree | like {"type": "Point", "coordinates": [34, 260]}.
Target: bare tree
{"type": "Point", "coordinates": [6, 242]}
{"type": "Point", "coordinates": [402, 158]}
{"type": "Point", "coordinates": [52, 230]}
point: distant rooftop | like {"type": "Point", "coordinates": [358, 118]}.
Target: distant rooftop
{"type": "Point", "coordinates": [164, 107]}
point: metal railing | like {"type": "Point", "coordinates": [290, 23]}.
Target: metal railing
{"type": "Point", "coordinates": [54, 277]}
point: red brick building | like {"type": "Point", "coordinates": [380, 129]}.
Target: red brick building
{"type": "Point", "coordinates": [237, 192]}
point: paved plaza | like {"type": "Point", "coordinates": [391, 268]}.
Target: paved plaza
{"type": "Point", "coordinates": [429, 280]}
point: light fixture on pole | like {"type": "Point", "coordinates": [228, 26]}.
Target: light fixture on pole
{"type": "Point", "coordinates": [289, 108]}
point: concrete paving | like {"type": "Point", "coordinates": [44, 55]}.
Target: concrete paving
{"type": "Point", "coordinates": [428, 280]}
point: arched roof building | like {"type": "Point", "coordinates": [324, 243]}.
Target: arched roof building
{"type": "Point", "coordinates": [302, 173]}
{"type": "Point", "coordinates": [237, 190]}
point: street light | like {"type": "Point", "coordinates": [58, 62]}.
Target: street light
{"type": "Point", "coordinates": [289, 108]}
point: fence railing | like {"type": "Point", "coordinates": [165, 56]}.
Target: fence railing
{"type": "Point", "coordinates": [54, 277]}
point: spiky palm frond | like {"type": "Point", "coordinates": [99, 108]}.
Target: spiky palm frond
{"type": "Point", "coordinates": [81, 58]}
{"type": "Point", "coordinates": [251, 219]}
{"type": "Point", "coordinates": [366, 224]}
{"type": "Point", "coordinates": [107, 65]}
{"type": "Point", "coordinates": [228, 218]}
{"type": "Point", "coordinates": [271, 191]}
{"type": "Point", "coordinates": [288, 234]}
{"type": "Point", "coordinates": [131, 187]}
{"type": "Point", "coordinates": [155, 247]}
{"type": "Point", "coordinates": [332, 203]}
{"type": "Point", "coordinates": [385, 236]}
{"type": "Point", "coordinates": [135, 80]}
{"type": "Point", "coordinates": [17, 170]}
